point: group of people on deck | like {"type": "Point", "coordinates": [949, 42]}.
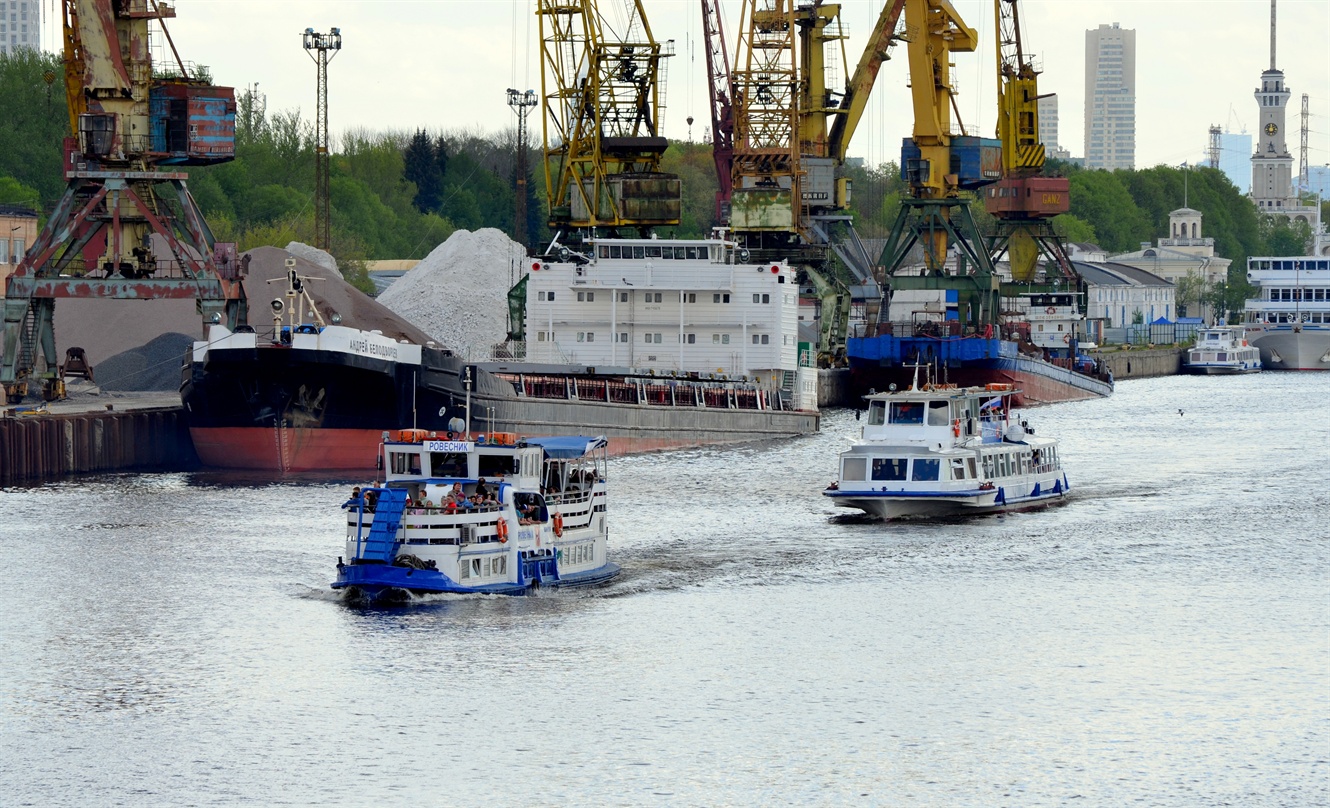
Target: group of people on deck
{"type": "Point", "coordinates": [454, 500]}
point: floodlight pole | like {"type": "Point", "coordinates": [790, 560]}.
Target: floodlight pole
{"type": "Point", "coordinates": [319, 47]}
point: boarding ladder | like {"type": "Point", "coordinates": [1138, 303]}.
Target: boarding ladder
{"type": "Point", "coordinates": [381, 544]}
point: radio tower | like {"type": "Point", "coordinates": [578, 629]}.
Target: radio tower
{"type": "Point", "coordinates": [319, 46]}
{"type": "Point", "coordinates": [522, 104]}
{"type": "Point", "coordinates": [1215, 132]}
{"type": "Point", "coordinates": [1304, 178]}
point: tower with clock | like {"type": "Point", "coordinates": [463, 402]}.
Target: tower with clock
{"type": "Point", "coordinates": [1272, 165]}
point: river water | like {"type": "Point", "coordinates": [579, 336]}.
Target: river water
{"type": "Point", "coordinates": [1161, 639]}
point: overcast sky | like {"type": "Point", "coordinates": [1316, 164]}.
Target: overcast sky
{"type": "Point", "coordinates": [445, 64]}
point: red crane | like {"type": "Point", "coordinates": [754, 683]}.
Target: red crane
{"type": "Point", "coordinates": [722, 107]}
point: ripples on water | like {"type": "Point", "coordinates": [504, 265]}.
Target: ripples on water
{"type": "Point", "coordinates": [1163, 638]}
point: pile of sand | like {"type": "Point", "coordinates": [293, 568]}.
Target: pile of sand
{"type": "Point", "coordinates": [105, 329]}
{"type": "Point", "coordinates": [459, 292]}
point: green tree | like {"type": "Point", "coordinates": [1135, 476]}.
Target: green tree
{"type": "Point", "coordinates": [421, 168]}
{"type": "Point", "coordinates": [36, 122]}
{"type": "Point", "coordinates": [1073, 229]}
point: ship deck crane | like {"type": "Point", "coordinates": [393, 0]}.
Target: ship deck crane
{"type": "Point", "coordinates": [603, 142]}
{"type": "Point", "coordinates": [126, 227]}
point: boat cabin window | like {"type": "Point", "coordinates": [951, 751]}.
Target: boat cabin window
{"type": "Point", "coordinates": [958, 468]}
{"type": "Point", "coordinates": [530, 508]}
{"type": "Point", "coordinates": [447, 464]}
{"type": "Point", "coordinates": [925, 470]}
{"type": "Point", "coordinates": [496, 465]}
{"type": "Point", "coordinates": [889, 468]}
{"type": "Point", "coordinates": [939, 413]}
{"type": "Point", "coordinates": [404, 462]}
{"type": "Point", "coordinates": [877, 413]}
{"type": "Point", "coordinates": [853, 468]}
{"type": "Point", "coordinates": [907, 412]}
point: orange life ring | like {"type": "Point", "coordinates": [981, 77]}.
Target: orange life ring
{"type": "Point", "coordinates": [502, 527]}
{"type": "Point", "coordinates": [558, 523]}
{"type": "Point", "coordinates": [1067, 339]}
{"type": "Point", "coordinates": [956, 428]}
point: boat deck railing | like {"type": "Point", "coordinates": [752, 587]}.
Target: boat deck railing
{"type": "Point", "coordinates": [664, 393]}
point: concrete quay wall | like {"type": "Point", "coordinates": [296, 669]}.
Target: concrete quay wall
{"type": "Point", "coordinates": [46, 447]}
{"type": "Point", "coordinates": [1142, 364]}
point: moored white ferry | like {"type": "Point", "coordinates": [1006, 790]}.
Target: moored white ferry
{"type": "Point", "coordinates": [497, 515]}
{"type": "Point", "coordinates": [1289, 320]}
{"type": "Point", "coordinates": [942, 450]}
{"type": "Point", "coordinates": [1222, 350]}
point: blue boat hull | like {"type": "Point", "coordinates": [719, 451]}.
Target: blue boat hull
{"type": "Point", "coordinates": [883, 360]}
{"type": "Point", "coordinates": [379, 583]}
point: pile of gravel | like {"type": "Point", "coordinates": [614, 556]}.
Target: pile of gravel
{"type": "Point", "coordinates": [154, 366]}
{"type": "Point", "coordinates": [459, 292]}
{"type": "Point", "coordinates": [315, 256]}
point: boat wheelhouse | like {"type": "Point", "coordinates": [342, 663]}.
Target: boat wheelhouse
{"type": "Point", "coordinates": [1222, 350]}
{"type": "Point", "coordinates": [943, 450]}
{"type": "Point", "coordinates": [497, 514]}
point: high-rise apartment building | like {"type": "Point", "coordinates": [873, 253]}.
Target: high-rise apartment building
{"type": "Point", "coordinates": [20, 24]}
{"type": "Point", "coordinates": [1110, 97]}
{"type": "Point", "coordinates": [1235, 159]}
{"type": "Point", "coordinates": [1048, 121]}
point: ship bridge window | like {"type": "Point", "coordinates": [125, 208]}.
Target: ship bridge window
{"type": "Point", "coordinates": [404, 462]}
{"type": "Point", "coordinates": [925, 470]}
{"type": "Point", "coordinates": [939, 413]}
{"type": "Point", "coordinates": [907, 412]}
{"type": "Point", "coordinates": [889, 468]}
{"type": "Point", "coordinates": [853, 469]}
{"type": "Point", "coordinates": [447, 464]}
{"type": "Point", "coordinates": [877, 413]}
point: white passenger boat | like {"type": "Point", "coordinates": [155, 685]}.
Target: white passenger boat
{"type": "Point", "coordinates": [943, 450]}
{"type": "Point", "coordinates": [1222, 350]}
{"type": "Point", "coordinates": [498, 515]}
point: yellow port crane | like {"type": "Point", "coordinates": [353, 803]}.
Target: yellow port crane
{"type": "Point", "coordinates": [1023, 202]}
{"type": "Point", "coordinates": [791, 133]}
{"type": "Point", "coordinates": [126, 226]}
{"type": "Point", "coordinates": [941, 162]}
{"type": "Point", "coordinates": [602, 133]}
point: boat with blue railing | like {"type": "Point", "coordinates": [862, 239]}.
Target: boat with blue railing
{"type": "Point", "coordinates": [498, 514]}
{"type": "Point", "coordinates": [943, 450]}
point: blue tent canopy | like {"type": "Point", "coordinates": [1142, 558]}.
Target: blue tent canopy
{"type": "Point", "coordinates": [568, 447]}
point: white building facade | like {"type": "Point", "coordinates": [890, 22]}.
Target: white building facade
{"type": "Point", "coordinates": [1186, 252]}
{"type": "Point", "coordinates": [1110, 97]}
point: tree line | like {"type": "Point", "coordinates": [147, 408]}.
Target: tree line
{"type": "Point", "coordinates": [399, 193]}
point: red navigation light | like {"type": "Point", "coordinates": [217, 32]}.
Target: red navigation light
{"type": "Point", "coordinates": [535, 267]}
{"type": "Point", "coordinates": [774, 269]}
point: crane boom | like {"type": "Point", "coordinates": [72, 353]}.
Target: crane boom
{"type": "Point", "coordinates": [860, 85]}
{"type": "Point", "coordinates": [722, 105]}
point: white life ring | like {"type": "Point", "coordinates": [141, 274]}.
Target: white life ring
{"type": "Point", "coordinates": [1066, 338]}
{"type": "Point", "coordinates": [1050, 310]}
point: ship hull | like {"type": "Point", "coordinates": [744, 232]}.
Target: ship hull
{"type": "Point", "coordinates": [274, 408]}
{"type": "Point", "coordinates": [1282, 348]}
{"type": "Point", "coordinates": [878, 362]}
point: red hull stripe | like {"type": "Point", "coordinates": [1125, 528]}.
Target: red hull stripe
{"type": "Point", "coordinates": [287, 449]}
